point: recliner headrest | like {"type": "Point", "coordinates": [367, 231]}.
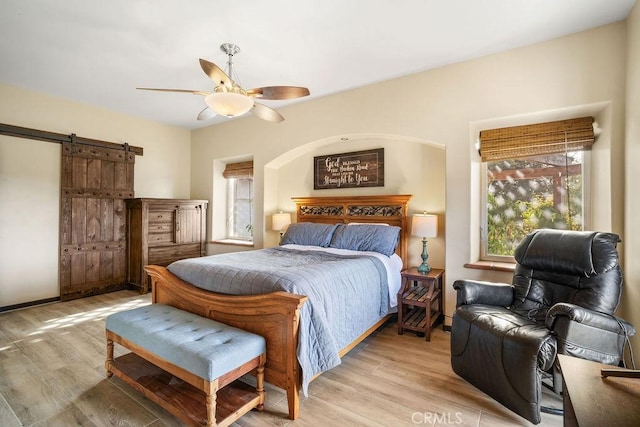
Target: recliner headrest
{"type": "Point", "coordinates": [568, 252]}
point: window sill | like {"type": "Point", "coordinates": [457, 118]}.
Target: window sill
{"type": "Point", "coordinates": [491, 265]}
{"type": "Point", "coordinates": [233, 242]}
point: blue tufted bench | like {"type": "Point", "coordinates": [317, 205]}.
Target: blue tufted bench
{"type": "Point", "coordinates": [186, 363]}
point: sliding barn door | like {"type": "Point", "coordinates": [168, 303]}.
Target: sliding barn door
{"type": "Point", "coordinates": [95, 181]}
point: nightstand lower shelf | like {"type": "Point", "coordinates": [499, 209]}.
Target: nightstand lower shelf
{"type": "Point", "coordinates": [416, 320]}
{"type": "Point", "coordinates": [420, 301]}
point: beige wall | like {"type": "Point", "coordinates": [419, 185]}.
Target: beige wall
{"type": "Point", "coordinates": [577, 73]}
{"type": "Point", "coordinates": [30, 181]}
{"type": "Point", "coordinates": [631, 238]}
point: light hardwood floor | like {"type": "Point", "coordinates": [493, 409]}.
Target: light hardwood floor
{"type": "Point", "coordinates": [52, 374]}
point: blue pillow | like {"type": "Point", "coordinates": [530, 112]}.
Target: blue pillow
{"type": "Point", "coordinates": [375, 238]}
{"type": "Point", "coordinates": [309, 233]}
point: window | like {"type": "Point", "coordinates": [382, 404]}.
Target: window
{"type": "Point", "coordinates": [523, 194]}
{"type": "Point", "coordinates": [240, 209]}
{"type": "Point", "coordinates": [534, 177]}
{"type": "Point", "coordinates": [239, 200]}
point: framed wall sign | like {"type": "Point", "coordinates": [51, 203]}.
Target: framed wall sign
{"type": "Point", "coordinates": [349, 170]}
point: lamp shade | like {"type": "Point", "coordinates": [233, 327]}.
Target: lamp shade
{"type": "Point", "coordinates": [424, 225]}
{"type": "Point", "coordinates": [229, 104]}
{"type": "Point", "coordinates": [280, 221]}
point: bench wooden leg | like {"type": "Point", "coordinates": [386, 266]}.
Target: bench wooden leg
{"type": "Point", "coordinates": [260, 382]}
{"type": "Point", "coordinates": [109, 361]}
{"type": "Point", "coordinates": [211, 409]}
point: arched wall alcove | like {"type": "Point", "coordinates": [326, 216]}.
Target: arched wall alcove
{"type": "Point", "coordinates": [411, 165]}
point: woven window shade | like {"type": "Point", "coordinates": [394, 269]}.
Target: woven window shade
{"type": "Point", "coordinates": [537, 139]}
{"type": "Point", "coordinates": [238, 170]}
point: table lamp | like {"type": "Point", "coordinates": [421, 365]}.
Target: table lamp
{"type": "Point", "coordinates": [280, 221]}
{"type": "Point", "coordinates": [424, 225]}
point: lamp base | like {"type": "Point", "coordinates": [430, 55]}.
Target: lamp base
{"type": "Point", "coordinates": [424, 267]}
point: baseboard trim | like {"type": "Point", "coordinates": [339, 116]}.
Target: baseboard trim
{"type": "Point", "coordinates": [28, 304]}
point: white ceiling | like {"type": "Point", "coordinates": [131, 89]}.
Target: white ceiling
{"type": "Point", "coordinates": [98, 51]}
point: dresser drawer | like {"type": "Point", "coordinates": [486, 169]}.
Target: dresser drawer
{"type": "Point", "coordinates": [160, 227]}
{"type": "Point", "coordinates": [160, 238]}
{"type": "Point", "coordinates": [161, 216]}
{"type": "Point", "coordinates": [167, 254]}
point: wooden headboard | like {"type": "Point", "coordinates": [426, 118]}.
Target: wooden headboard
{"type": "Point", "coordinates": [390, 210]}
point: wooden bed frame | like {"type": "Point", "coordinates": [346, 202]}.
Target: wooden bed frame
{"type": "Point", "coordinates": [275, 316]}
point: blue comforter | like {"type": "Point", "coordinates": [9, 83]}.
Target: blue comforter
{"type": "Point", "coordinates": [347, 294]}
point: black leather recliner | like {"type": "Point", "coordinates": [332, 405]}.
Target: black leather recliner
{"type": "Point", "coordinates": [566, 288]}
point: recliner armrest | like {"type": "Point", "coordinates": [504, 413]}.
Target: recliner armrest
{"type": "Point", "coordinates": [588, 317]}
{"type": "Point", "coordinates": [589, 334]}
{"type": "Point", "coordinates": [478, 292]}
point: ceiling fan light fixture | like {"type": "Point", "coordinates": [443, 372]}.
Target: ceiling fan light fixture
{"type": "Point", "coordinates": [229, 104]}
{"type": "Point", "coordinates": [229, 99]}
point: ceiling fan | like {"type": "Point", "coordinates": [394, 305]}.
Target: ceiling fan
{"type": "Point", "coordinates": [231, 100]}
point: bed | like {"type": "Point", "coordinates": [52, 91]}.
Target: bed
{"type": "Point", "coordinates": [278, 315]}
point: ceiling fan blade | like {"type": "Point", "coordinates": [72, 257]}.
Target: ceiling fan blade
{"type": "Point", "coordinates": [206, 114]}
{"type": "Point", "coordinates": [215, 73]}
{"type": "Point", "coordinates": [278, 92]}
{"type": "Point", "coordinates": [195, 92]}
{"type": "Point", "coordinates": [266, 113]}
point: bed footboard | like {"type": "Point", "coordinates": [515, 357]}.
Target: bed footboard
{"type": "Point", "coordinates": [275, 316]}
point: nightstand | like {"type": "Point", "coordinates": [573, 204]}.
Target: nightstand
{"type": "Point", "coordinates": [420, 301]}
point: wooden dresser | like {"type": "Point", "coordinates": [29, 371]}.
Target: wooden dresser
{"type": "Point", "coordinates": [160, 231]}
